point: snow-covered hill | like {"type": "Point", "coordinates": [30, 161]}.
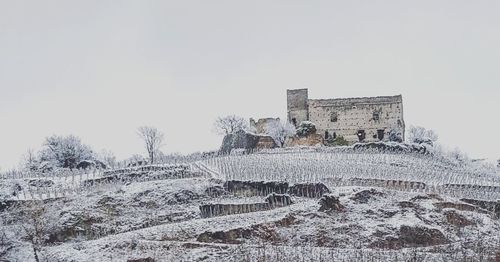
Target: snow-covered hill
{"type": "Point", "coordinates": [297, 205]}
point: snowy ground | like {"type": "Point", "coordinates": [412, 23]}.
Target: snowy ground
{"type": "Point", "coordinates": [160, 219]}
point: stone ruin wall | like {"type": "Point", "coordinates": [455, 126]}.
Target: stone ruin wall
{"type": "Point", "coordinates": [345, 117]}
{"type": "Point", "coordinates": [376, 116]}
{"type": "Point", "coordinates": [260, 126]}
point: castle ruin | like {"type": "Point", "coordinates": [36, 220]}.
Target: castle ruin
{"type": "Point", "coordinates": [363, 119]}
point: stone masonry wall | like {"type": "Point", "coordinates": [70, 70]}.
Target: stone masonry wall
{"type": "Point", "coordinates": [261, 124]}
{"type": "Point", "coordinates": [346, 117]}
{"type": "Point", "coordinates": [366, 119]}
{"type": "Point", "coordinates": [297, 103]}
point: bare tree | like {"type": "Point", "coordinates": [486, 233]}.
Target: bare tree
{"type": "Point", "coordinates": [280, 130]}
{"type": "Point", "coordinates": [108, 158]}
{"type": "Point", "coordinates": [30, 160]}
{"type": "Point", "coordinates": [153, 140]}
{"type": "Point", "coordinates": [229, 124]}
{"type": "Point", "coordinates": [35, 226]}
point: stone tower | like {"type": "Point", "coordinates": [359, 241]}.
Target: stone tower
{"type": "Point", "coordinates": [297, 105]}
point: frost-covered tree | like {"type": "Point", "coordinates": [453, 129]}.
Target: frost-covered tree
{"type": "Point", "coordinates": [458, 156]}
{"type": "Point", "coordinates": [30, 160]}
{"type": "Point", "coordinates": [65, 152]}
{"type": "Point", "coordinates": [153, 140]}
{"type": "Point", "coordinates": [108, 158]}
{"type": "Point", "coordinates": [280, 130]}
{"type": "Point", "coordinates": [420, 135]}
{"type": "Point", "coordinates": [229, 125]}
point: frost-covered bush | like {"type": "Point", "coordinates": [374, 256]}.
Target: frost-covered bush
{"type": "Point", "coordinates": [65, 152]}
{"type": "Point", "coordinates": [306, 128]}
{"type": "Point", "coordinates": [338, 141]}
{"type": "Point", "coordinates": [420, 135]}
{"type": "Point", "coordinates": [395, 136]}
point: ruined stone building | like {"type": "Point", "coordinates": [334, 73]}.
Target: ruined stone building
{"type": "Point", "coordinates": [365, 119]}
{"type": "Point", "coordinates": [260, 126]}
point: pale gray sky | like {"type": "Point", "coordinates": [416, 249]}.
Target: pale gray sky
{"type": "Point", "coordinates": [99, 69]}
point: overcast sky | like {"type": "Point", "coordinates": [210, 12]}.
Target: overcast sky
{"type": "Point", "coordinates": [99, 69]}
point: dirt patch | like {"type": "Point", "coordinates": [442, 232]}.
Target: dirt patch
{"type": "Point", "coordinates": [412, 236]}
{"type": "Point", "coordinates": [456, 219]}
{"type": "Point", "coordinates": [266, 232]}
{"type": "Point", "coordinates": [408, 204]}
{"type": "Point", "coordinates": [365, 196]}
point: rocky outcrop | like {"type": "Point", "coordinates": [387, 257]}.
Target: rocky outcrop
{"type": "Point", "coordinates": [330, 203]}
{"type": "Point", "coordinates": [412, 236]}
{"type": "Point", "coordinates": [247, 141]}
{"type": "Point", "coordinates": [306, 136]}
{"type": "Point", "coordinates": [309, 140]}
{"type": "Point", "coordinates": [364, 196]}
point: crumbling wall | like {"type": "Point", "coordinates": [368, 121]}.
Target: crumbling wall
{"type": "Point", "coordinates": [312, 190]}
{"type": "Point", "coordinates": [260, 126]}
{"type": "Point", "coordinates": [358, 119]}
{"type": "Point", "coordinates": [271, 201]}
{"type": "Point", "coordinates": [247, 141]}
{"type": "Point", "coordinates": [211, 210]}
{"type": "Point", "coordinates": [255, 188]}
